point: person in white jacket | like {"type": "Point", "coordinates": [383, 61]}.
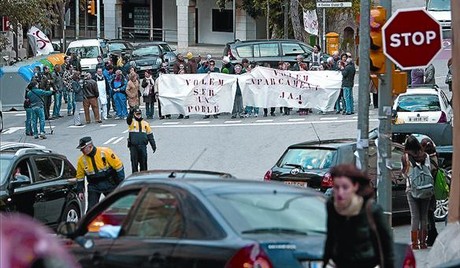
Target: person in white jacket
{"type": "Point", "coordinates": [101, 87]}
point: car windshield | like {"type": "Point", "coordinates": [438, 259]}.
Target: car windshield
{"type": "Point", "coordinates": [308, 158]}
{"type": "Point", "coordinates": [84, 52]}
{"type": "Point", "coordinates": [4, 169]}
{"type": "Point", "coordinates": [165, 47]}
{"type": "Point", "coordinates": [439, 5]}
{"type": "Point", "coordinates": [117, 46]}
{"type": "Point", "coordinates": [144, 51]}
{"type": "Point", "coordinates": [272, 212]}
{"type": "Point", "coordinates": [419, 103]}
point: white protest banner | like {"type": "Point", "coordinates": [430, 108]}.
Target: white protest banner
{"type": "Point", "coordinates": [265, 87]}
{"type": "Point", "coordinates": [186, 94]}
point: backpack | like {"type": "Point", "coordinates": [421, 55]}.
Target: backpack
{"type": "Point", "coordinates": [421, 180]}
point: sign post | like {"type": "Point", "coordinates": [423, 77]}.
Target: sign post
{"type": "Point", "coordinates": [412, 38]}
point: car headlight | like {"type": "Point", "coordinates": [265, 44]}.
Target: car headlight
{"type": "Point", "coordinates": [159, 61]}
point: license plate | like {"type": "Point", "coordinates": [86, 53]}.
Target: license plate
{"type": "Point", "coordinates": [142, 68]}
{"type": "Point", "coordinates": [297, 183]}
{"type": "Point", "coordinates": [312, 264]}
{"type": "Point", "coordinates": [418, 119]}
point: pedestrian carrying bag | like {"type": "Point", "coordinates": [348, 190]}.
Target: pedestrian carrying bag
{"type": "Point", "coordinates": [441, 188]}
{"type": "Point", "coordinates": [421, 180]}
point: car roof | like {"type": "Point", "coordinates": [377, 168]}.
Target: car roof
{"type": "Point", "coordinates": [29, 151]}
{"type": "Point", "coordinates": [179, 174]}
{"type": "Point", "coordinates": [211, 187]}
{"type": "Point", "coordinates": [14, 146]}
{"type": "Point", "coordinates": [85, 43]}
{"type": "Point", "coordinates": [420, 90]}
{"type": "Point", "coordinates": [334, 143]}
{"type": "Point", "coordinates": [265, 41]}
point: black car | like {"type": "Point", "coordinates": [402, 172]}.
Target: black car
{"type": "Point", "coordinates": [269, 52]}
{"type": "Point", "coordinates": [307, 165]}
{"type": "Point", "coordinates": [150, 56]}
{"type": "Point", "coordinates": [38, 182]}
{"type": "Point", "coordinates": [119, 47]}
{"type": "Point", "coordinates": [160, 222]}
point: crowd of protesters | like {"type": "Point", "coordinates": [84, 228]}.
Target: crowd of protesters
{"type": "Point", "coordinates": [115, 88]}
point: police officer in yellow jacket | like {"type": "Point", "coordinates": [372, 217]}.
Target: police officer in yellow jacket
{"type": "Point", "coordinates": [102, 168]}
{"type": "Point", "coordinates": [140, 134]}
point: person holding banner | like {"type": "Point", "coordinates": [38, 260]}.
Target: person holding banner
{"type": "Point", "coordinates": [238, 102]}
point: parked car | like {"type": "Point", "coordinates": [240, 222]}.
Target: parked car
{"type": "Point", "coordinates": [268, 51]}
{"type": "Point", "coordinates": [440, 10]}
{"type": "Point", "coordinates": [307, 165]}
{"type": "Point", "coordinates": [38, 182]}
{"type": "Point", "coordinates": [205, 223]}
{"type": "Point", "coordinates": [150, 56]}
{"type": "Point", "coordinates": [424, 104]}
{"type": "Point", "coordinates": [119, 47]}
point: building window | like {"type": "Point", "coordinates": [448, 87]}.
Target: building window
{"type": "Point", "coordinates": [222, 20]}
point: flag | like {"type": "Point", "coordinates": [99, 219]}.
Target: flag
{"type": "Point", "coordinates": [39, 42]}
{"type": "Point", "coordinates": [310, 21]}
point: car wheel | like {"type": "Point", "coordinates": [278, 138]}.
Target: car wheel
{"type": "Point", "coordinates": [71, 214]}
{"type": "Point", "coordinates": [442, 209]}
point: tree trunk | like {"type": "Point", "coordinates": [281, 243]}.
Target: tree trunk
{"type": "Point", "coordinates": [295, 19]}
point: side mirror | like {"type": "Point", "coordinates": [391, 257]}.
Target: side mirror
{"type": "Point", "coordinates": [66, 229]}
{"type": "Point", "coordinates": [19, 180]}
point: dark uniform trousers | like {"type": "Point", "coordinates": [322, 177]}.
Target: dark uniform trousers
{"type": "Point", "coordinates": [138, 157]}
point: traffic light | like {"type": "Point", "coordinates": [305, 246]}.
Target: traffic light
{"type": "Point", "coordinates": [91, 7]}
{"type": "Point", "coordinates": [377, 20]}
{"type": "Point", "coordinates": [399, 82]}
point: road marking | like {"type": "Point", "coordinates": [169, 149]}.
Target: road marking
{"type": "Point", "coordinates": [329, 118]}
{"type": "Point", "coordinates": [126, 131]}
{"type": "Point", "coordinates": [108, 125]}
{"type": "Point", "coordinates": [117, 140]}
{"type": "Point", "coordinates": [22, 114]}
{"type": "Point", "coordinates": [296, 119]}
{"type": "Point", "coordinates": [110, 140]}
{"type": "Point", "coordinates": [11, 130]}
{"type": "Point", "coordinates": [171, 123]}
{"type": "Point", "coordinates": [73, 126]}
{"type": "Point", "coordinates": [232, 122]}
{"type": "Point", "coordinates": [238, 124]}
{"type": "Point", "coordinates": [264, 120]}
{"type": "Point", "coordinates": [201, 122]}
{"type": "Point", "coordinates": [355, 117]}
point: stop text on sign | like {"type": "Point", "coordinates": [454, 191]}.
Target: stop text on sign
{"type": "Point", "coordinates": [408, 39]}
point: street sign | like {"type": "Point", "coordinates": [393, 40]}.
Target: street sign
{"type": "Point", "coordinates": [411, 38]}
{"type": "Point", "coordinates": [332, 4]}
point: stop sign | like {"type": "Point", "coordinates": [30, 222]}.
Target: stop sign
{"type": "Point", "coordinates": [411, 38]}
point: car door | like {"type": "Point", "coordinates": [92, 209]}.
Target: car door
{"type": "Point", "coordinates": [446, 103]}
{"type": "Point", "coordinates": [53, 190]}
{"type": "Point", "coordinates": [153, 232]}
{"type": "Point", "coordinates": [291, 50]}
{"type": "Point", "coordinates": [267, 53]}
{"type": "Point", "coordinates": [103, 224]}
{"type": "Point", "coordinates": [27, 196]}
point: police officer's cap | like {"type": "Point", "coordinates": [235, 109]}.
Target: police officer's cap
{"type": "Point", "coordinates": [137, 111]}
{"type": "Point", "coordinates": [84, 141]}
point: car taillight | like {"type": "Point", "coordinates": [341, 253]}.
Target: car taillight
{"type": "Point", "coordinates": [443, 118]}
{"type": "Point", "coordinates": [268, 175]}
{"type": "Point", "coordinates": [327, 182]}
{"type": "Point", "coordinates": [409, 259]}
{"type": "Point", "coordinates": [249, 256]}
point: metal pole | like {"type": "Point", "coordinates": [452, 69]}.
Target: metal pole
{"type": "Point", "coordinates": [384, 140]}
{"type": "Point", "coordinates": [77, 19]}
{"type": "Point", "coordinates": [286, 23]}
{"type": "Point", "coordinates": [324, 29]}
{"type": "Point", "coordinates": [454, 199]}
{"type": "Point", "coordinates": [151, 21]}
{"type": "Point", "coordinates": [268, 26]}
{"type": "Point", "coordinates": [98, 19]}
{"type": "Point", "coordinates": [363, 88]}
{"type": "Point", "coordinates": [234, 19]}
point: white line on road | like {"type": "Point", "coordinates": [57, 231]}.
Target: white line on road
{"type": "Point", "coordinates": [126, 131]}
{"type": "Point", "coordinates": [170, 123]}
{"type": "Point", "coordinates": [263, 120]}
{"type": "Point", "coordinates": [73, 126]}
{"type": "Point", "coordinates": [117, 140]}
{"type": "Point", "coordinates": [329, 118]}
{"type": "Point", "coordinates": [22, 114]}
{"type": "Point", "coordinates": [296, 119]}
{"type": "Point", "coordinates": [108, 125]}
{"type": "Point", "coordinates": [238, 124]}
{"type": "Point", "coordinates": [11, 130]}
{"type": "Point", "coordinates": [201, 122]}
{"type": "Point", "coordinates": [110, 140]}
{"type": "Point", "coordinates": [232, 122]}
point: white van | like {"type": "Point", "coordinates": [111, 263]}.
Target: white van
{"type": "Point", "coordinates": [88, 50]}
{"type": "Point", "coordinates": [440, 10]}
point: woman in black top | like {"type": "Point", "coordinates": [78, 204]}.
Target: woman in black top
{"type": "Point", "coordinates": [358, 234]}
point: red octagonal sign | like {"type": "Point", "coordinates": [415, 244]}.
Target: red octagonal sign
{"type": "Point", "coordinates": [411, 38]}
